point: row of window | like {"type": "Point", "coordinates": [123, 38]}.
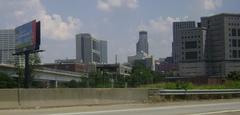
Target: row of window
{"type": "Point", "coordinates": [191, 55]}
{"type": "Point", "coordinates": [235, 54]}
{"type": "Point", "coordinates": [235, 43]}
{"type": "Point", "coordinates": [234, 18]}
{"type": "Point", "coordinates": [190, 37]}
{"type": "Point", "coordinates": [233, 24]}
{"type": "Point", "coordinates": [234, 32]}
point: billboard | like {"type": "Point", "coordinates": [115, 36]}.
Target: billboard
{"type": "Point", "coordinates": [28, 37]}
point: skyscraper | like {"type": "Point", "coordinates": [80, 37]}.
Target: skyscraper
{"type": "Point", "coordinates": [212, 49]}
{"type": "Point", "coordinates": [142, 44]}
{"type": "Point", "coordinates": [90, 50]}
{"type": "Point", "coordinates": [177, 27]}
{"type": "Point", "coordinates": [142, 55]}
{"type": "Point", "coordinates": [7, 46]}
{"type": "Point", "coordinates": [222, 43]}
{"type": "Point", "coordinates": [103, 51]}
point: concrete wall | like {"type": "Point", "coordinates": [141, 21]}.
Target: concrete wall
{"type": "Point", "coordinates": [31, 98]}
{"type": "Point", "coordinates": [193, 69]}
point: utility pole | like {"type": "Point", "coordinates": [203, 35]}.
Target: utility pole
{"type": "Point", "coordinates": [27, 70]}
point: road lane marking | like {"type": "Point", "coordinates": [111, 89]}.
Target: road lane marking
{"type": "Point", "coordinates": [217, 112]}
{"type": "Point", "coordinates": [145, 109]}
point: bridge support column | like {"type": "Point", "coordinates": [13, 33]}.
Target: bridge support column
{"type": "Point", "coordinates": [56, 84]}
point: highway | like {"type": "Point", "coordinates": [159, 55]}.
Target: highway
{"type": "Point", "coordinates": [215, 107]}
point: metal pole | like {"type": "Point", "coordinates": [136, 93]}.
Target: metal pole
{"type": "Point", "coordinates": [27, 71]}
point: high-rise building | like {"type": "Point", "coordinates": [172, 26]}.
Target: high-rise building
{"type": "Point", "coordinates": [192, 52]}
{"type": "Point", "coordinates": [103, 51]}
{"type": "Point", "coordinates": [222, 43]}
{"type": "Point", "coordinates": [211, 49]}
{"type": "Point", "coordinates": [142, 44]}
{"type": "Point", "coordinates": [142, 55]}
{"type": "Point", "coordinates": [90, 50]}
{"type": "Point", "coordinates": [7, 46]}
{"type": "Point", "coordinates": [176, 45]}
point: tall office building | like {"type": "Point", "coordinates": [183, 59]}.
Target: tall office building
{"type": "Point", "coordinates": [176, 44]}
{"type": "Point", "coordinates": [222, 43]}
{"type": "Point", "coordinates": [212, 49]}
{"type": "Point", "coordinates": [90, 50]}
{"type": "Point", "coordinates": [192, 52]}
{"type": "Point", "coordinates": [142, 44]}
{"type": "Point", "coordinates": [142, 55]}
{"type": "Point", "coordinates": [7, 46]}
{"type": "Point", "coordinates": [103, 51]}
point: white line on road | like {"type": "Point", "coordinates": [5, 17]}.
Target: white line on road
{"type": "Point", "coordinates": [217, 112]}
{"type": "Point", "coordinates": [146, 109]}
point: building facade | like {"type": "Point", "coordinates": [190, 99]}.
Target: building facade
{"type": "Point", "coordinates": [7, 46]}
{"type": "Point", "coordinates": [222, 43]}
{"type": "Point", "coordinates": [192, 55]}
{"type": "Point", "coordinates": [176, 44]}
{"type": "Point", "coordinates": [212, 49]}
{"type": "Point", "coordinates": [90, 50]}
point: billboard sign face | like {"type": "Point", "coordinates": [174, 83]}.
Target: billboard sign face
{"type": "Point", "coordinates": [27, 36]}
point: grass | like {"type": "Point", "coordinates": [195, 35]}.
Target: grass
{"type": "Point", "coordinates": [181, 85]}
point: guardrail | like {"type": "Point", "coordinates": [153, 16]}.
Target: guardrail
{"type": "Point", "coordinates": [156, 92]}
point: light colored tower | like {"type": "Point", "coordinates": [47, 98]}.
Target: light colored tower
{"type": "Point", "coordinates": [7, 46]}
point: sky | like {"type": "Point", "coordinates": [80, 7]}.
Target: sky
{"type": "Point", "coordinates": [117, 21]}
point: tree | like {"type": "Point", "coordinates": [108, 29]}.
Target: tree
{"type": "Point", "coordinates": [34, 60]}
{"type": "Point", "coordinates": [235, 76]}
{"type": "Point", "coordinates": [6, 81]}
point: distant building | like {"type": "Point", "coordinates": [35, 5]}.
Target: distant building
{"type": "Point", "coordinates": [66, 61]}
{"type": "Point", "coordinates": [90, 50]}
{"type": "Point", "coordinates": [114, 69]}
{"type": "Point", "coordinates": [142, 44]}
{"type": "Point", "coordinates": [165, 65]}
{"type": "Point", "coordinates": [142, 55]}
{"type": "Point", "coordinates": [7, 46]}
{"type": "Point", "coordinates": [103, 51]}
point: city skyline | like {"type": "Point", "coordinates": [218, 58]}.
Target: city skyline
{"type": "Point", "coordinates": [117, 21]}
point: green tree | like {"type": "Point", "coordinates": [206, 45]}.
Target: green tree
{"type": "Point", "coordinates": [34, 60]}
{"type": "Point", "coordinates": [235, 76]}
{"type": "Point", "coordinates": [6, 81]}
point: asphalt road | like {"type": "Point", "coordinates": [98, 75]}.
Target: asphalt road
{"type": "Point", "coordinates": [217, 107]}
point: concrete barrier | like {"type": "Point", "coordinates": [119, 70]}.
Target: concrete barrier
{"type": "Point", "coordinates": [32, 98]}
{"type": "Point", "coordinates": [8, 98]}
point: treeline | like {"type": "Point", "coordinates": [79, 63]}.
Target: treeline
{"type": "Point", "coordinates": [139, 76]}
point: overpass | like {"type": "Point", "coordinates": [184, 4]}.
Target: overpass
{"type": "Point", "coordinates": [46, 74]}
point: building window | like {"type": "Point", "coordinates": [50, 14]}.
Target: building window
{"type": "Point", "coordinates": [238, 43]}
{"type": "Point", "coordinates": [238, 32]}
{"type": "Point", "coordinates": [234, 53]}
{"type": "Point", "coordinates": [191, 44]}
{"type": "Point", "coordinates": [238, 53]}
{"type": "Point", "coordinates": [191, 55]}
{"type": "Point", "coordinates": [234, 32]}
{"type": "Point", "coordinates": [234, 43]}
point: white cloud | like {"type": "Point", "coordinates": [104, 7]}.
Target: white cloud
{"type": "Point", "coordinates": [108, 5]}
{"type": "Point", "coordinates": [160, 34]}
{"type": "Point", "coordinates": [212, 4]}
{"type": "Point", "coordinates": [17, 12]}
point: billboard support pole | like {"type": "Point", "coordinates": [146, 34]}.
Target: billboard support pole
{"type": "Point", "coordinates": [26, 71]}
